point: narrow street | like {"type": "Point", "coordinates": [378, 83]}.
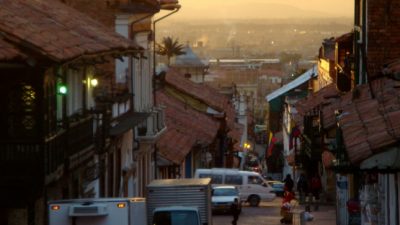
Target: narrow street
{"type": "Point", "coordinates": [269, 214]}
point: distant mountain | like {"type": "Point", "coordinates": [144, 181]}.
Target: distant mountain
{"type": "Point", "coordinates": [249, 9]}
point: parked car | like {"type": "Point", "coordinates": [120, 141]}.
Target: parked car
{"type": "Point", "coordinates": [222, 198]}
{"type": "Point", "coordinates": [253, 188]}
{"type": "Point", "coordinates": [277, 187]}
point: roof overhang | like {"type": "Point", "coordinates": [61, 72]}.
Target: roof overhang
{"type": "Point", "coordinates": [313, 72]}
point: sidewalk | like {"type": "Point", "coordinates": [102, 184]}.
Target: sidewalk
{"type": "Point", "coordinates": [326, 215]}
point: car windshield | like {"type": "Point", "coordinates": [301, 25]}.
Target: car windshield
{"type": "Point", "coordinates": [178, 217]}
{"type": "Point", "coordinates": [224, 192]}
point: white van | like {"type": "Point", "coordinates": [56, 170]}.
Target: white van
{"type": "Point", "coordinates": [252, 186]}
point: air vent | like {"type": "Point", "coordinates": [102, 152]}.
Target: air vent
{"type": "Point", "coordinates": [92, 210]}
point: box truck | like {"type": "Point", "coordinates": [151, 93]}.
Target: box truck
{"type": "Point", "coordinates": [179, 202]}
{"type": "Point", "coordinates": [102, 211]}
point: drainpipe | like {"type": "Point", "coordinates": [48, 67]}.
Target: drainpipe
{"type": "Point", "coordinates": [176, 9]}
{"type": "Point", "coordinates": [154, 50]}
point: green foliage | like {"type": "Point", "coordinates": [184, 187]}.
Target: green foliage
{"type": "Point", "coordinates": [170, 47]}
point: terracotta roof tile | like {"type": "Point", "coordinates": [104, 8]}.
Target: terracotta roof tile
{"type": "Point", "coordinates": [56, 30]}
{"type": "Point", "coordinates": [181, 119]}
{"type": "Point", "coordinates": [10, 52]}
{"type": "Point", "coordinates": [369, 124]}
{"type": "Point", "coordinates": [175, 151]}
{"type": "Point", "coordinates": [204, 93]}
{"type": "Point", "coordinates": [323, 97]}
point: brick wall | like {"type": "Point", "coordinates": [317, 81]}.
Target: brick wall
{"type": "Point", "coordinates": [383, 33]}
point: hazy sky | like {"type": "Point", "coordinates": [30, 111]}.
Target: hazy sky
{"type": "Point", "coordinates": [242, 9]}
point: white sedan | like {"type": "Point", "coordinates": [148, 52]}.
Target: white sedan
{"type": "Point", "coordinates": [223, 197]}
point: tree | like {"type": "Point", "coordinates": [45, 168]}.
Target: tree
{"type": "Point", "coordinates": [170, 48]}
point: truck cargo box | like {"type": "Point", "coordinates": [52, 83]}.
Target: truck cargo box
{"type": "Point", "coordinates": [180, 192]}
{"type": "Point", "coordinates": [98, 211]}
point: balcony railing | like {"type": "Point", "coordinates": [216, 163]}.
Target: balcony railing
{"type": "Point", "coordinates": [151, 129]}
{"type": "Point", "coordinates": [49, 154]}
{"type": "Point", "coordinates": [80, 136]}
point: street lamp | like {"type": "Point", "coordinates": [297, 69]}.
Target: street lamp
{"type": "Point", "coordinates": [246, 146]}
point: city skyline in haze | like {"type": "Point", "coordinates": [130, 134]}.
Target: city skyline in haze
{"type": "Point", "coordinates": [263, 9]}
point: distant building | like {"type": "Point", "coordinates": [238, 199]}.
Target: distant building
{"type": "Point", "coordinates": [190, 65]}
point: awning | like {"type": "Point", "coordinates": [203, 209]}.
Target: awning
{"type": "Point", "coordinates": [127, 121]}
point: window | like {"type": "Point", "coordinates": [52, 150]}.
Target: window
{"type": "Point", "coordinates": [254, 180]}
{"type": "Point", "coordinates": [215, 178]}
{"type": "Point", "coordinates": [225, 192]}
{"type": "Point", "coordinates": [233, 179]}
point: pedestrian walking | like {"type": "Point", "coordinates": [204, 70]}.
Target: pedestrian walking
{"type": "Point", "coordinates": [288, 183]}
{"type": "Point", "coordinates": [286, 207]}
{"type": "Point", "coordinates": [302, 187]}
{"type": "Point", "coordinates": [235, 209]}
{"type": "Point", "coordinates": [316, 188]}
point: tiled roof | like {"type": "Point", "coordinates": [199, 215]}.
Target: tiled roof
{"type": "Point", "coordinates": [57, 31]}
{"type": "Point", "coordinates": [169, 4]}
{"type": "Point", "coordinates": [348, 37]}
{"type": "Point", "coordinates": [305, 77]}
{"type": "Point", "coordinates": [184, 123]}
{"type": "Point", "coordinates": [9, 52]}
{"type": "Point", "coordinates": [369, 124]}
{"type": "Point", "coordinates": [204, 93]}
{"type": "Point", "coordinates": [175, 151]}
{"type": "Point", "coordinates": [316, 99]}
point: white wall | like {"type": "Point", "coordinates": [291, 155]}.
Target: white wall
{"type": "Point", "coordinates": [122, 67]}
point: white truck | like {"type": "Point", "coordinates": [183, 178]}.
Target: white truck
{"type": "Point", "coordinates": [102, 211]}
{"type": "Point", "coordinates": [179, 202]}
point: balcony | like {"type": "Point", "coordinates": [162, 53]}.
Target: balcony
{"type": "Point", "coordinates": [34, 159]}
{"type": "Point", "coordinates": [152, 128]}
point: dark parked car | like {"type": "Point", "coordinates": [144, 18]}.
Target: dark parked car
{"type": "Point", "coordinates": [277, 187]}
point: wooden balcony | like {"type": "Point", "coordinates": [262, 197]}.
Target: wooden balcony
{"type": "Point", "coordinates": [26, 158]}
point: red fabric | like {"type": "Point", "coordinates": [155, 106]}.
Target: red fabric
{"type": "Point", "coordinates": [316, 183]}
{"type": "Point", "coordinates": [287, 197]}
{"type": "Point", "coordinates": [271, 146]}
{"type": "Point", "coordinates": [293, 135]}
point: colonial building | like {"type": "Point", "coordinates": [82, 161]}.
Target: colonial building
{"type": "Point", "coordinates": [210, 142]}
{"type": "Point", "coordinates": [135, 120]}
{"type": "Point", "coordinates": [357, 115]}
{"type": "Point", "coordinates": [191, 65]}
{"type": "Point", "coordinates": [49, 57]}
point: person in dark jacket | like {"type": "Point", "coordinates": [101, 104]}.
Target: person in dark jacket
{"type": "Point", "coordinates": [288, 183]}
{"type": "Point", "coordinates": [235, 209]}
{"type": "Point", "coordinates": [302, 187]}
{"type": "Point", "coordinates": [316, 188]}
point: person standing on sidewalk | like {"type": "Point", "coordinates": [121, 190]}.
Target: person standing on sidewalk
{"type": "Point", "coordinates": [235, 211]}
{"type": "Point", "coordinates": [316, 188]}
{"type": "Point", "coordinates": [288, 183]}
{"type": "Point", "coordinates": [302, 187]}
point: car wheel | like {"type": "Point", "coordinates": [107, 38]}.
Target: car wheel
{"type": "Point", "coordinates": [254, 200]}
